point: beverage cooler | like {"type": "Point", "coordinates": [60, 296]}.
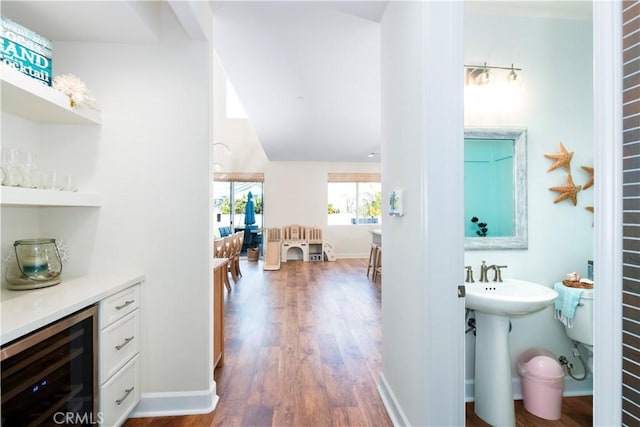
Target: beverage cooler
{"type": "Point", "coordinates": [49, 377]}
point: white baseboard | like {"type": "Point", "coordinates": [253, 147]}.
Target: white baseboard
{"type": "Point", "coordinates": [398, 418]}
{"type": "Point", "coordinates": [352, 255]}
{"type": "Point", "coordinates": [176, 403]}
{"type": "Point", "coordinates": [571, 388]}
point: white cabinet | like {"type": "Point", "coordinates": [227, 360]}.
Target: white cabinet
{"type": "Point", "coordinates": [119, 360]}
{"type": "Point", "coordinates": [120, 394]}
{"type": "Point", "coordinates": [27, 98]}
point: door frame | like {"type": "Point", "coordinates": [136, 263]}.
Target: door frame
{"type": "Point", "coordinates": [607, 55]}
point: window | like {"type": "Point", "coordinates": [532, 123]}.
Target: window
{"type": "Point", "coordinates": [354, 199]}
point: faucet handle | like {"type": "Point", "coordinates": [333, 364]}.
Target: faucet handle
{"type": "Point", "coordinates": [483, 272]}
{"type": "Point", "coordinates": [469, 277]}
{"type": "Point", "coordinates": [498, 275]}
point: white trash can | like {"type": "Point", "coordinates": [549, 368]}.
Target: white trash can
{"type": "Point", "coordinates": [542, 380]}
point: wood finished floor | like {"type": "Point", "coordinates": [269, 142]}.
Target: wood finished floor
{"type": "Point", "coordinates": [576, 412]}
{"type": "Point", "coordinates": [303, 348]}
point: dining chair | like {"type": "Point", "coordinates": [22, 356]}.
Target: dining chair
{"type": "Point", "coordinates": [377, 265]}
{"type": "Point", "coordinates": [220, 251]}
{"type": "Point", "coordinates": [230, 242]}
{"type": "Point", "coordinates": [239, 241]}
{"type": "Point", "coordinates": [373, 252]}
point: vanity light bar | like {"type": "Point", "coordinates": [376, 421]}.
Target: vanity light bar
{"type": "Point", "coordinates": [479, 74]}
{"type": "Point", "coordinates": [492, 67]}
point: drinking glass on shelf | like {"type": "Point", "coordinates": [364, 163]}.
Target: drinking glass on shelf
{"type": "Point", "coordinates": [31, 171]}
{"type": "Point", "coordinates": [51, 181]}
{"type": "Point", "coordinates": [11, 167]}
{"type": "Point", "coordinates": [66, 183]}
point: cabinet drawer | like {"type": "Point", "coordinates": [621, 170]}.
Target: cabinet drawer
{"type": "Point", "coordinates": [119, 342]}
{"type": "Point", "coordinates": [120, 394]}
{"type": "Point", "coordinates": [118, 305]}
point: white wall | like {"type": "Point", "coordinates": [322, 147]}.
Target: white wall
{"type": "Point", "coordinates": [150, 161]}
{"type": "Point", "coordinates": [296, 193]}
{"type": "Point", "coordinates": [244, 154]}
{"type": "Point", "coordinates": [555, 105]}
{"type": "Point", "coordinates": [422, 153]}
{"type": "Point", "coordinates": [18, 222]}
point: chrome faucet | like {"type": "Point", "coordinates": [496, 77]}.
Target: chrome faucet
{"type": "Point", "coordinates": [483, 271]}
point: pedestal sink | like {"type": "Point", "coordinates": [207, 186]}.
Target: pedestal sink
{"type": "Point", "coordinates": [494, 304]}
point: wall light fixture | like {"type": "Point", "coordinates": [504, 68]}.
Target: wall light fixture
{"type": "Point", "coordinates": [223, 145]}
{"type": "Point", "coordinates": [482, 75]}
{"type": "Point", "coordinates": [221, 158]}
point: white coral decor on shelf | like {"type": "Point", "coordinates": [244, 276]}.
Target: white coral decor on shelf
{"type": "Point", "coordinates": [77, 91]}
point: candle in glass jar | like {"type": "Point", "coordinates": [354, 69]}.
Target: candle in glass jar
{"type": "Point", "coordinates": [34, 264]}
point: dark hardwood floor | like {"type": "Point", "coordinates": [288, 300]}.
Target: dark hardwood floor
{"type": "Point", "coordinates": [576, 412]}
{"type": "Point", "coordinates": [303, 348]}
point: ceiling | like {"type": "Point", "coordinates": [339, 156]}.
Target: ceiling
{"type": "Point", "coordinates": [306, 72]}
{"type": "Point", "coordinates": [88, 21]}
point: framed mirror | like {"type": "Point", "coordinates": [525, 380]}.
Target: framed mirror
{"type": "Point", "coordinates": [495, 188]}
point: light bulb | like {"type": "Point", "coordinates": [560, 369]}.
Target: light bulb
{"type": "Point", "coordinates": [483, 78]}
{"type": "Point", "coordinates": [512, 76]}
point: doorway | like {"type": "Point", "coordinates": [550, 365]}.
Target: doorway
{"type": "Point", "coordinates": [518, 50]}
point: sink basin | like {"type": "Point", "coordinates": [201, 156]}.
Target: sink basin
{"type": "Point", "coordinates": [509, 298]}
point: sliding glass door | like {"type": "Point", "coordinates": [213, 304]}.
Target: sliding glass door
{"type": "Point", "coordinates": [230, 200]}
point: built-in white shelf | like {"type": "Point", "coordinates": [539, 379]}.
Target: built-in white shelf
{"type": "Point", "coordinates": [32, 100]}
{"type": "Point", "coordinates": [17, 196]}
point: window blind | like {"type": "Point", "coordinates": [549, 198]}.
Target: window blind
{"type": "Point", "coordinates": [238, 177]}
{"type": "Point", "coordinates": [353, 177]}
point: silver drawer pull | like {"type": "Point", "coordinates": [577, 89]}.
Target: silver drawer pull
{"type": "Point", "coordinates": [127, 392]}
{"type": "Point", "coordinates": [126, 303]}
{"type": "Point", "coordinates": [126, 341]}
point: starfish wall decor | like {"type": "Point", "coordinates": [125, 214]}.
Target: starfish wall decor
{"type": "Point", "coordinates": [568, 191]}
{"type": "Point", "coordinates": [590, 209]}
{"type": "Point", "coordinates": [589, 182]}
{"type": "Point", "coordinates": [563, 159]}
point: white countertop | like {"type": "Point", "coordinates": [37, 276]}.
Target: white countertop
{"type": "Point", "coordinates": [25, 311]}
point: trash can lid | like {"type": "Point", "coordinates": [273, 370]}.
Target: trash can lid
{"type": "Point", "coordinates": [533, 352]}
{"type": "Point", "coordinates": [543, 367]}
